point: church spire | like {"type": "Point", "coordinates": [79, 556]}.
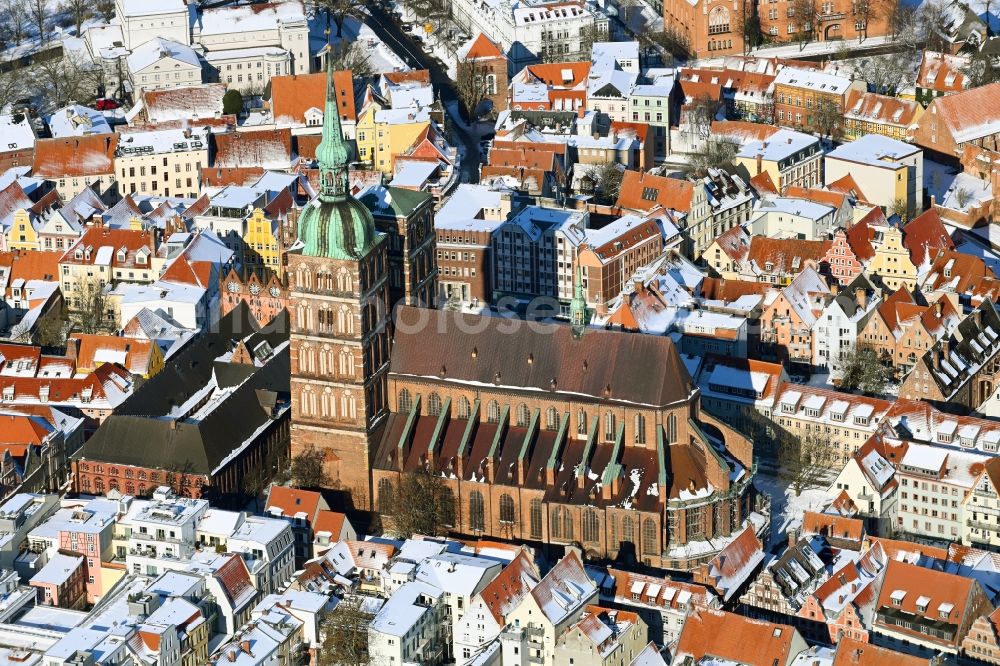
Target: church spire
{"type": "Point", "coordinates": [333, 153]}
{"type": "Point", "coordinates": [578, 306]}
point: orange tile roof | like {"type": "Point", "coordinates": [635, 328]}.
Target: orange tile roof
{"type": "Point", "coordinates": [763, 183]}
{"type": "Point", "coordinates": [409, 76]}
{"type": "Point", "coordinates": [90, 345]}
{"type": "Point", "coordinates": [924, 235]}
{"type": "Point", "coordinates": [522, 157]}
{"type": "Point", "coordinates": [75, 156]}
{"type": "Point", "coordinates": [503, 594]}
{"type": "Point", "coordinates": [31, 265]}
{"type": "Point", "coordinates": [214, 176]}
{"type": "Point", "coordinates": [644, 191]}
{"type": "Point", "coordinates": [855, 653]}
{"type": "Point", "coordinates": [728, 636]}
{"type": "Point", "coordinates": [293, 95]}
{"type": "Point", "coordinates": [292, 501]}
{"type": "Point", "coordinates": [552, 73]}
{"type": "Point", "coordinates": [859, 236]}
{"type": "Point", "coordinates": [829, 525]}
{"type": "Point", "coordinates": [98, 237]}
{"type": "Point", "coordinates": [720, 289]}
{"type": "Point", "coordinates": [966, 115]}
{"type": "Point", "coordinates": [880, 109]}
{"type": "Point", "coordinates": [483, 47]}
{"type": "Point", "coordinates": [735, 243]}
{"type": "Point", "coordinates": [742, 130]}
{"type": "Point", "coordinates": [21, 429]}
{"type": "Point", "coordinates": [835, 199]}
{"type": "Point", "coordinates": [781, 252]}
{"type": "Point", "coordinates": [264, 148]}
{"type": "Point", "coordinates": [624, 317]}
{"type": "Point", "coordinates": [847, 185]}
{"type": "Point", "coordinates": [938, 587]}
{"type": "Point", "coordinates": [620, 128]}
{"type": "Point", "coordinates": [942, 72]}
{"type": "Point", "coordinates": [330, 521]}
{"type": "Point", "coordinates": [693, 90]}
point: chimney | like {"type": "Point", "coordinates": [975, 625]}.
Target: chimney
{"type": "Point", "coordinates": [835, 288]}
{"type": "Point", "coordinates": [938, 309]}
{"type": "Point", "coordinates": [861, 297]}
{"type": "Point", "coordinates": [789, 141]}
{"type": "Point", "coordinates": [760, 163]}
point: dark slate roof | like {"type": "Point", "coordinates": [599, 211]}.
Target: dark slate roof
{"type": "Point", "coordinates": [192, 367]}
{"type": "Point", "coordinates": [144, 434]}
{"type": "Point", "coordinates": [603, 364]}
{"type": "Point", "coordinates": [974, 342]}
{"type": "Point", "coordinates": [386, 200]}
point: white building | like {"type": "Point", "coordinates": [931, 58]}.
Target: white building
{"type": "Point", "coordinates": [529, 29]}
{"type": "Point", "coordinates": [143, 20]}
{"type": "Point", "coordinates": [162, 162]}
{"type": "Point", "coordinates": [250, 28]}
{"type": "Point", "coordinates": [410, 626]}
{"type": "Point", "coordinates": [785, 217]}
{"type": "Point", "coordinates": [835, 332]}
{"type": "Point", "coordinates": [162, 63]}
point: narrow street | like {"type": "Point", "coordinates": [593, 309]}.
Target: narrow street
{"type": "Point", "coordinates": [390, 32]}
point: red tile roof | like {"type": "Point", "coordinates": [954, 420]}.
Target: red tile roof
{"type": "Point", "coordinates": [292, 96]}
{"type": "Point", "coordinates": [924, 235]}
{"type": "Point", "coordinates": [503, 594]}
{"type": "Point", "coordinates": [75, 156]}
{"type": "Point", "coordinates": [96, 238]}
{"type": "Point", "coordinates": [270, 149]}
{"type": "Point", "coordinates": [847, 185]}
{"type": "Point", "coordinates": [880, 109]}
{"type": "Point", "coordinates": [781, 253]}
{"type": "Point", "coordinates": [643, 191]}
{"type": "Point", "coordinates": [837, 527]}
{"type": "Point", "coordinates": [740, 130]}
{"type": "Point", "coordinates": [21, 429]}
{"type": "Point", "coordinates": [90, 345]}
{"type": "Point", "coordinates": [727, 636]}
{"type": "Point", "coordinates": [942, 72]}
{"type": "Point", "coordinates": [855, 653]}
{"type": "Point", "coordinates": [763, 183]}
{"type": "Point", "coordinates": [330, 521]}
{"type": "Point", "coordinates": [947, 596]}
{"type": "Point", "coordinates": [830, 198]}
{"type": "Point", "coordinates": [481, 46]}
{"type": "Point", "coordinates": [552, 73]}
{"type": "Point", "coordinates": [292, 501]}
{"type": "Point", "coordinates": [188, 103]}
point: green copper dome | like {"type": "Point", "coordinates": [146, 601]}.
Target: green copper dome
{"type": "Point", "coordinates": [335, 225]}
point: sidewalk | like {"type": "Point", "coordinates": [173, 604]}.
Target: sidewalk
{"type": "Point", "coordinates": [440, 47]}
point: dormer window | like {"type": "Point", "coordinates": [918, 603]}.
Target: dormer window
{"type": "Point", "coordinates": [8, 393]}
{"type": "Point", "coordinates": [78, 254]}
{"type": "Point", "coordinates": [861, 420]}
{"type": "Point", "coordinates": [122, 254]}
{"type": "Point", "coordinates": [788, 408]}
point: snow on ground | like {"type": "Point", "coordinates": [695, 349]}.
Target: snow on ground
{"type": "Point", "coordinates": [938, 178]}
{"type": "Point", "coordinates": [437, 41]}
{"type": "Point", "coordinates": [797, 50]}
{"type": "Point", "coordinates": [787, 508]}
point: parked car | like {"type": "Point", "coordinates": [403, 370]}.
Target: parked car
{"type": "Point", "coordinates": [106, 105]}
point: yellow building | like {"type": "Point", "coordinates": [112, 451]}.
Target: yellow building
{"type": "Point", "coordinates": [790, 158]}
{"type": "Point", "coordinates": [21, 235]}
{"type": "Point", "coordinates": [262, 246]}
{"type": "Point", "coordinates": [892, 260]}
{"type": "Point", "coordinates": [890, 171]}
{"type": "Point", "coordinates": [383, 133]}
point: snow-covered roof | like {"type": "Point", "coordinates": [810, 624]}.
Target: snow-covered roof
{"type": "Point", "coordinates": [874, 150]}
{"type": "Point", "coordinates": [162, 141]}
{"type": "Point", "coordinates": [249, 18]}
{"type": "Point", "coordinates": [927, 458]}
{"type": "Point", "coordinates": [76, 120]}
{"type": "Point", "coordinates": [156, 49]}
{"type": "Point", "coordinates": [813, 80]}
{"type": "Point", "coordinates": [779, 146]}
{"type": "Point", "coordinates": [15, 135]}
{"type": "Point", "coordinates": [151, 7]}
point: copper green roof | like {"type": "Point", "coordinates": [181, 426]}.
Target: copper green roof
{"type": "Point", "coordinates": [335, 225]}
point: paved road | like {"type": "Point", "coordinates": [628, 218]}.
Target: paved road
{"type": "Point", "coordinates": [390, 32]}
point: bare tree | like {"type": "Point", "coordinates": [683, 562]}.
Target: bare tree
{"type": "Point", "coordinates": [338, 11]}
{"type": "Point", "coordinates": [60, 81]}
{"type": "Point", "coordinates": [748, 27]}
{"type": "Point", "coordinates": [20, 332]}
{"type": "Point", "coordinates": [805, 460]}
{"type": "Point", "coordinates": [471, 86]}
{"type": "Point", "coordinates": [15, 17]}
{"type": "Point", "coordinates": [671, 40]}
{"type": "Point", "coordinates": [963, 196]}
{"type": "Point", "coordinates": [714, 154]}
{"type": "Point", "coordinates": [52, 328]}
{"type": "Point", "coordinates": [79, 11]}
{"type": "Point", "coordinates": [700, 113]}
{"type": "Point", "coordinates": [422, 504]}
{"type": "Point", "coordinates": [93, 310]}
{"type": "Point", "coordinates": [904, 23]}
{"type": "Point", "coordinates": [255, 480]}
{"type": "Point", "coordinates": [883, 73]}
{"type": "Point", "coordinates": [804, 13]}
{"type": "Point", "coordinates": [827, 119]}
{"type": "Point", "coordinates": [39, 12]}
{"type": "Point", "coordinates": [13, 85]}
{"type": "Point", "coordinates": [862, 370]}
{"type": "Point", "coordinates": [105, 9]}
{"type": "Point", "coordinates": [933, 16]}
{"type": "Point", "coordinates": [309, 469]}
{"type": "Point", "coordinates": [607, 179]}
{"type": "Point", "coordinates": [866, 11]}
{"type": "Point", "coordinates": [351, 57]}
{"type": "Point", "coordinates": [345, 635]}
{"type": "Point", "coordinates": [981, 70]}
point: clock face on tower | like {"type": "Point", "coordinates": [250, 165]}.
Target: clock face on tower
{"type": "Point", "coordinates": [254, 288]}
{"type": "Point", "coordinates": [275, 292]}
{"type": "Point", "coordinates": [233, 287]}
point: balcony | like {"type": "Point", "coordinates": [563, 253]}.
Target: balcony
{"type": "Point", "coordinates": [991, 527]}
